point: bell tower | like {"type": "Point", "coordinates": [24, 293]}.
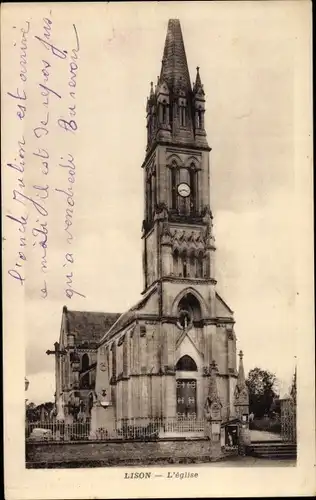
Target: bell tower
{"type": "Point", "coordinates": [173, 354]}
{"type": "Point", "coordinates": [159, 356]}
{"type": "Point", "coordinates": [178, 244]}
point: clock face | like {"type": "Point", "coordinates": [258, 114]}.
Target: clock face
{"type": "Point", "coordinates": [184, 190]}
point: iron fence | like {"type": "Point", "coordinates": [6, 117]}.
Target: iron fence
{"type": "Point", "coordinates": [57, 431]}
{"type": "Point", "coordinates": [159, 427]}
{"type": "Point", "coordinates": [124, 429]}
{"type": "Point", "coordinates": [288, 420]}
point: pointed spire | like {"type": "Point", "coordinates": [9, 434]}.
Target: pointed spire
{"type": "Point", "coordinates": [241, 380]}
{"type": "Point", "coordinates": [197, 86]}
{"type": "Point", "coordinates": [150, 99]}
{"type": "Point", "coordinates": [198, 82]}
{"type": "Point", "coordinates": [174, 68]}
{"type": "Point", "coordinates": [241, 396]}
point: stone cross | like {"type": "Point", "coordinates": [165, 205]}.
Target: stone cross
{"type": "Point", "coordinates": [56, 351]}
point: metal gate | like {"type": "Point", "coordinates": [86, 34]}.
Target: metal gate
{"type": "Point", "coordinates": [288, 420]}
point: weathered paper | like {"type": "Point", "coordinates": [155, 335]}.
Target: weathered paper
{"type": "Point", "coordinates": [75, 78]}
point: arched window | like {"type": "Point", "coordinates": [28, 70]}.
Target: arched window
{"type": "Point", "coordinates": [200, 266]}
{"type": "Point", "coordinates": [193, 185]}
{"type": "Point", "coordinates": [191, 304]}
{"type": "Point", "coordinates": [192, 271]}
{"type": "Point", "coordinates": [149, 198]}
{"type": "Point", "coordinates": [207, 266]}
{"type": "Point", "coordinates": [185, 267]}
{"type": "Point", "coordinates": [125, 355]}
{"type": "Point", "coordinates": [154, 193]}
{"type": "Point", "coordinates": [176, 262]}
{"type": "Point", "coordinates": [186, 364]}
{"type": "Point", "coordinates": [164, 112]}
{"type": "Point", "coordinates": [85, 378]}
{"type": "Point", "coordinates": [182, 116]}
{"type": "Point", "coordinates": [153, 124]}
{"type": "Point", "coordinates": [184, 264]}
{"type": "Point", "coordinates": [149, 128]}
{"type": "Point", "coordinates": [151, 195]}
{"type": "Point", "coordinates": [199, 123]}
{"type": "Point", "coordinates": [173, 188]}
{"type": "Point", "coordinates": [113, 349]}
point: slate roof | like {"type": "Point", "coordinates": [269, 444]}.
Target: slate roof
{"type": "Point", "coordinates": [129, 315]}
{"type": "Point", "coordinates": [174, 68]}
{"type": "Point", "coordinates": [88, 326]}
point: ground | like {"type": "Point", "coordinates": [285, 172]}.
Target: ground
{"type": "Point", "coordinates": [249, 462]}
{"type": "Point", "coordinates": [264, 436]}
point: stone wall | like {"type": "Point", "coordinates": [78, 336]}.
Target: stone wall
{"type": "Point", "coordinates": [113, 453]}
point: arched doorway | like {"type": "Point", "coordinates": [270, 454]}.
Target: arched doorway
{"type": "Point", "coordinates": [186, 388]}
{"type": "Point", "coordinates": [85, 378]}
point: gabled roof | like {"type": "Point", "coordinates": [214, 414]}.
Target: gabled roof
{"type": "Point", "coordinates": [223, 303]}
{"type": "Point", "coordinates": [87, 326]}
{"type": "Point", "coordinates": [119, 324]}
{"type": "Point", "coordinates": [129, 315]}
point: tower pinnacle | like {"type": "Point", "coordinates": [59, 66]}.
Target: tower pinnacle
{"type": "Point", "coordinates": [151, 89]}
{"type": "Point", "coordinates": [198, 84]}
{"type": "Point", "coordinates": [213, 391]}
{"type": "Point", "coordinates": [241, 380]}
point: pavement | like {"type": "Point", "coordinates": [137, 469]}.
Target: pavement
{"type": "Point", "coordinates": [249, 462]}
{"type": "Point", "coordinates": [237, 461]}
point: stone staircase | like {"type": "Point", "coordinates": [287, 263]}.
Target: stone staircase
{"type": "Point", "coordinates": [272, 449]}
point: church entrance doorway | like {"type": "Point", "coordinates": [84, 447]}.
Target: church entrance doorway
{"type": "Point", "coordinates": [186, 398]}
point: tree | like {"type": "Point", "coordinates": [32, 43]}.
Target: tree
{"type": "Point", "coordinates": [261, 387]}
{"type": "Point", "coordinates": [40, 412]}
{"type": "Point", "coordinates": [275, 408]}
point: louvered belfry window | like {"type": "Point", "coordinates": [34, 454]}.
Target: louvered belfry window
{"type": "Point", "coordinates": [174, 188]}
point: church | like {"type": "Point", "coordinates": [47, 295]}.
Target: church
{"type": "Point", "coordinates": [176, 348]}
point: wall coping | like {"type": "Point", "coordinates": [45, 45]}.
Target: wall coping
{"type": "Point", "coordinates": [121, 441]}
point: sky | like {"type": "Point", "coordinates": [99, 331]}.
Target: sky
{"type": "Point", "coordinates": [247, 58]}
